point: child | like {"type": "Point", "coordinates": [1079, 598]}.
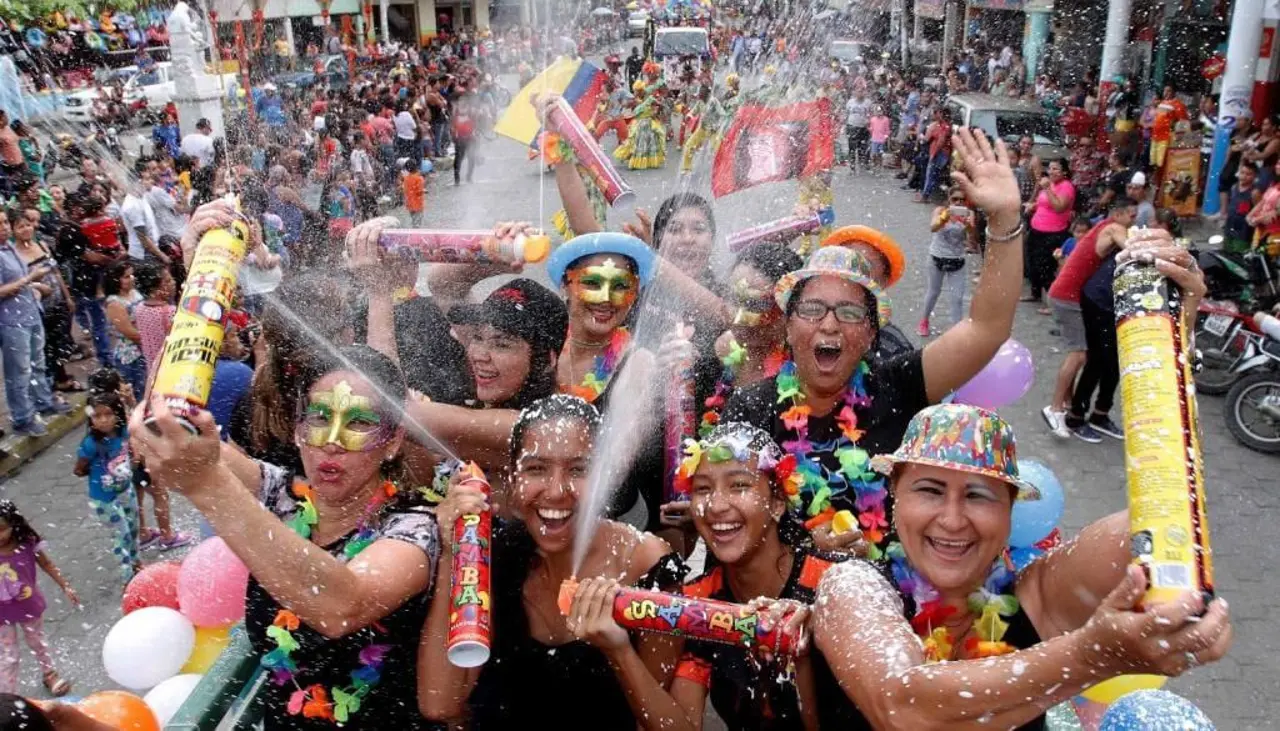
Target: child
{"type": "Point", "coordinates": [1079, 228]}
{"type": "Point", "coordinates": [104, 459]}
{"type": "Point", "coordinates": [879, 125]}
{"type": "Point", "coordinates": [415, 189]}
{"type": "Point", "coordinates": [21, 603]}
{"type": "Point", "coordinates": [153, 316]}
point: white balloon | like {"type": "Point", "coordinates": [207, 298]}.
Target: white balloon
{"type": "Point", "coordinates": [165, 699]}
{"type": "Point", "coordinates": [148, 646]}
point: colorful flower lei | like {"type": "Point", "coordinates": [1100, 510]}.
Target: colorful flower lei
{"type": "Point", "coordinates": [314, 701]}
{"type": "Point", "coordinates": [990, 602]}
{"type": "Point", "coordinates": [814, 491]}
{"type": "Point", "coordinates": [732, 363]}
{"type": "Point", "coordinates": [597, 380]}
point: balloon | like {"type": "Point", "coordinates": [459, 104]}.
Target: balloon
{"type": "Point", "coordinates": [1154, 710]}
{"type": "Point", "coordinates": [165, 699]}
{"type": "Point", "coordinates": [120, 710]}
{"type": "Point", "coordinates": [1023, 557]}
{"type": "Point", "coordinates": [212, 584]}
{"type": "Point", "coordinates": [1034, 520]}
{"type": "Point", "coordinates": [1002, 381]}
{"type": "Point", "coordinates": [210, 642]}
{"type": "Point", "coordinates": [148, 646]}
{"type": "Point", "coordinates": [154, 586]}
{"type": "Point", "coordinates": [1107, 692]}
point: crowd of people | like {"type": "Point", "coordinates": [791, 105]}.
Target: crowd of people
{"type": "Point", "coordinates": [341, 389]}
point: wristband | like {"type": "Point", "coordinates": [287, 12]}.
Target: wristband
{"type": "Point", "coordinates": [1015, 233]}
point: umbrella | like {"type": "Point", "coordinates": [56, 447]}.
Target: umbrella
{"type": "Point", "coordinates": [603, 12]}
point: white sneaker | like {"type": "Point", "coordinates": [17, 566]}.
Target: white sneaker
{"type": "Point", "coordinates": [1057, 421]}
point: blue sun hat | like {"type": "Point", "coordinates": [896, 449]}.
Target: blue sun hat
{"type": "Point", "coordinates": [960, 437]}
{"type": "Point", "coordinates": [603, 242]}
{"type": "Point", "coordinates": [835, 261]}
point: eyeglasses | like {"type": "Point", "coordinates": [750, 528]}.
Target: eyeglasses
{"type": "Point", "coordinates": [848, 313]}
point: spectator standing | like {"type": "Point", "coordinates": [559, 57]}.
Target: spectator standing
{"type": "Point", "coordinates": [1137, 190]}
{"type": "Point", "coordinates": [126, 342]}
{"type": "Point", "coordinates": [1237, 232]}
{"type": "Point", "coordinates": [953, 236]}
{"type": "Point", "coordinates": [140, 221]}
{"type": "Point", "coordinates": [857, 118]}
{"type": "Point", "coordinates": [170, 212]}
{"type": "Point", "coordinates": [199, 144]}
{"type": "Point", "coordinates": [415, 197]}
{"type": "Point", "coordinates": [1087, 168]}
{"type": "Point", "coordinates": [939, 141]}
{"type": "Point", "coordinates": [1051, 214]}
{"type": "Point", "coordinates": [88, 261]}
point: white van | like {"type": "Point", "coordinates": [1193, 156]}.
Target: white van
{"type": "Point", "coordinates": [672, 44]}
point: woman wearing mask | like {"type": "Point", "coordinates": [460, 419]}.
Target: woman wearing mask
{"type": "Point", "coordinates": [832, 406]}
{"type": "Point", "coordinates": [341, 560]}
{"type": "Point", "coordinates": [969, 641]}
{"type": "Point", "coordinates": [539, 658]}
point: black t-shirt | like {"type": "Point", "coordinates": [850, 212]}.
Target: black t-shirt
{"type": "Point", "coordinates": [748, 694]}
{"type": "Point", "coordinates": [392, 703]}
{"type": "Point", "coordinates": [897, 392]}
{"type": "Point", "coordinates": [524, 678]}
{"type": "Point", "coordinates": [71, 247]}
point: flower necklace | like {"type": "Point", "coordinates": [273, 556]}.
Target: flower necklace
{"type": "Point", "coordinates": [314, 701]}
{"type": "Point", "coordinates": [732, 363]}
{"type": "Point", "coordinates": [990, 602]}
{"type": "Point", "coordinates": [597, 379]}
{"type": "Point", "coordinates": [810, 486]}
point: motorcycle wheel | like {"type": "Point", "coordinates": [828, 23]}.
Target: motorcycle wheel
{"type": "Point", "coordinates": [1248, 419]}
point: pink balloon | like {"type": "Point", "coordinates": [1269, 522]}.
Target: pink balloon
{"type": "Point", "coordinates": [1005, 379]}
{"type": "Point", "coordinates": [154, 586]}
{"type": "Point", "coordinates": [212, 584]}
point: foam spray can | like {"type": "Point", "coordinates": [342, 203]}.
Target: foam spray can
{"type": "Point", "coordinates": [695, 618]}
{"type": "Point", "coordinates": [681, 424]}
{"type": "Point", "coordinates": [470, 603]}
{"type": "Point", "coordinates": [1169, 529]}
{"type": "Point", "coordinates": [565, 121]}
{"type": "Point", "coordinates": [184, 376]}
{"type": "Point", "coordinates": [781, 230]}
{"type": "Point", "coordinates": [465, 247]}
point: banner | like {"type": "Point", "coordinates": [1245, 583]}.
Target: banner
{"type": "Point", "coordinates": [1180, 181]}
{"type": "Point", "coordinates": [768, 144]}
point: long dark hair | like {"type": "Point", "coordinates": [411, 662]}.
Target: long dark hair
{"type": "Point", "coordinates": [23, 533]}
{"type": "Point", "coordinates": [771, 260]}
{"type": "Point", "coordinates": [111, 400]}
{"type": "Point", "coordinates": [673, 205]}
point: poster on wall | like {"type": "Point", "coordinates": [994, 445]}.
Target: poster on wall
{"type": "Point", "coordinates": [1180, 181]}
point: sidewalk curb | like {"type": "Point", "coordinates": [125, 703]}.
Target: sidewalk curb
{"type": "Point", "coordinates": [16, 451]}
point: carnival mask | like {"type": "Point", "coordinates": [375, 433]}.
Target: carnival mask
{"type": "Point", "coordinates": [753, 307]}
{"type": "Point", "coordinates": [607, 282]}
{"type": "Point", "coordinates": [341, 417]}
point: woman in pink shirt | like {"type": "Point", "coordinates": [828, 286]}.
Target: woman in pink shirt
{"type": "Point", "coordinates": [1051, 214]}
{"type": "Point", "coordinates": [153, 315]}
{"type": "Point", "coordinates": [879, 127]}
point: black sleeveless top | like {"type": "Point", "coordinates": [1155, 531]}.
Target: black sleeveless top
{"type": "Point", "coordinates": [749, 694]}
{"type": "Point", "coordinates": [525, 678]}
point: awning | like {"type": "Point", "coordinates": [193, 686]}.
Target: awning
{"type": "Point", "coordinates": [996, 4]}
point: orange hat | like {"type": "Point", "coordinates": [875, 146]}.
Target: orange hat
{"type": "Point", "coordinates": [847, 235]}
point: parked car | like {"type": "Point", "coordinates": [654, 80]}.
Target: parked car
{"type": "Point", "coordinates": [636, 22]}
{"type": "Point", "coordinates": [1010, 119]}
{"type": "Point", "coordinates": [155, 85]}
{"type": "Point", "coordinates": [336, 75]}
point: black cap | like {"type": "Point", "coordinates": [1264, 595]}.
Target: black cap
{"type": "Point", "coordinates": [527, 310]}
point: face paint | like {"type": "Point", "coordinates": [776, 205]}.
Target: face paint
{"type": "Point", "coordinates": [341, 417]}
{"type": "Point", "coordinates": [607, 282]}
{"type": "Point", "coordinates": [754, 307]}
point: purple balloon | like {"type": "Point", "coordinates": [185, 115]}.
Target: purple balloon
{"type": "Point", "coordinates": [1002, 381]}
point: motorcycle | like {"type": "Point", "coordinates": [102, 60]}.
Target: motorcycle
{"type": "Point", "coordinates": [1253, 403]}
{"type": "Point", "coordinates": [109, 139]}
{"type": "Point", "coordinates": [1224, 336]}
{"type": "Point", "coordinates": [1248, 279]}
{"type": "Point", "coordinates": [142, 114]}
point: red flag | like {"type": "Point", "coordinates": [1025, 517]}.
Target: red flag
{"type": "Point", "coordinates": [766, 144]}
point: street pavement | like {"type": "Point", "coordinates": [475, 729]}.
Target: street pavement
{"type": "Point", "coordinates": [1241, 692]}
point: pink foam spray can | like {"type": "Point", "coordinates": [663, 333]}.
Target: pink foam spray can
{"type": "Point", "coordinates": [465, 247]}
{"type": "Point", "coordinates": [783, 229]}
{"type": "Point", "coordinates": [565, 121]}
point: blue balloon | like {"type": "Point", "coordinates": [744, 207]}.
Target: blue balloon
{"type": "Point", "coordinates": [1154, 710]}
{"type": "Point", "coordinates": [1022, 557]}
{"type": "Point", "coordinates": [1034, 520]}
{"type": "Point", "coordinates": [426, 166]}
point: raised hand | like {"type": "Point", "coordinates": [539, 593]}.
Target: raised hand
{"type": "Point", "coordinates": [985, 177]}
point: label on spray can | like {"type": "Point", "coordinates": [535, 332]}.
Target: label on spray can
{"type": "Point", "coordinates": [470, 607]}
{"type": "Point", "coordinates": [184, 375]}
{"type": "Point", "coordinates": [1169, 530]}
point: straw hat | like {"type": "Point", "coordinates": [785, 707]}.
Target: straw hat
{"type": "Point", "coordinates": [835, 261]}
{"type": "Point", "coordinates": [962, 438]}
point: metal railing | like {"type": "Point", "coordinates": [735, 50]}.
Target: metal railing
{"type": "Point", "coordinates": [226, 697]}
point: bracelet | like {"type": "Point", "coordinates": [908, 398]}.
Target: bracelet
{"type": "Point", "coordinates": [1015, 233]}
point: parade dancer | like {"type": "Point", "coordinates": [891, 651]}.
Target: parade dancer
{"type": "Point", "coordinates": [715, 114]}
{"type": "Point", "coordinates": [646, 145]}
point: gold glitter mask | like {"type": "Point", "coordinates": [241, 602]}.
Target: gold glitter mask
{"type": "Point", "coordinates": [753, 307]}
{"type": "Point", "coordinates": [343, 418]}
{"type": "Point", "coordinates": [607, 282]}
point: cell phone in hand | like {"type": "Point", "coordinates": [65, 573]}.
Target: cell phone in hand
{"type": "Point", "coordinates": [959, 211]}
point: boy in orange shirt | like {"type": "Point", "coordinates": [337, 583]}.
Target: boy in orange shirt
{"type": "Point", "coordinates": [415, 192]}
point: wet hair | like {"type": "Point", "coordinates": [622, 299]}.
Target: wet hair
{"type": "Point", "coordinates": [23, 533]}
{"type": "Point", "coordinates": [147, 276]}
{"type": "Point", "coordinates": [557, 406]}
{"type": "Point", "coordinates": [111, 400]}
{"type": "Point", "coordinates": [673, 205]}
{"type": "Point", "coordinates": [104, 380]}
{"type": "Point", "coordinates": [291, 352]}
{"type": "Point", "coordinates": [17, 712]}
{"type": "Point", "coordinates": [771, 260]}
{"type": "Point", "coordinates": [116, 272]}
